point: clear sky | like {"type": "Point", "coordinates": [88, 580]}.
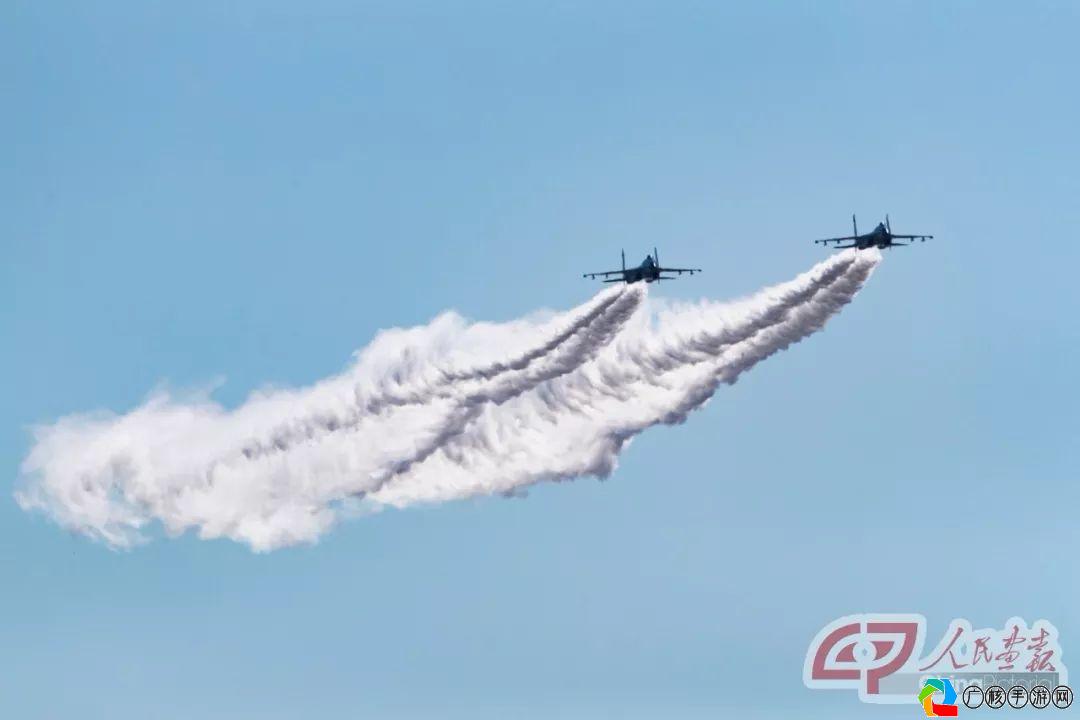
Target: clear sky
{"type": "Point", "coordinates": [249, 191]}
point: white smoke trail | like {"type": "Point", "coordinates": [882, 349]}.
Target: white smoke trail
{"type": "Point", "coordinates": [656, 372]}
{"type": "Point", "coordinates": [424, 415]}
{"type": "Point", "coordinates": [194, 464]}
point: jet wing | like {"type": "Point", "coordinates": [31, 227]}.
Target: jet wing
{"type": "Point", "coordinates": [603, 274]}
{"type": "Point", "coordinates": [678, 270]}
{"type": "Point", "coordinates": [826, 241]}
{"type": "Point", "coordinates": [913, 237]}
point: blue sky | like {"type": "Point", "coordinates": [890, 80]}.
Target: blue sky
{"type": "Point", "coordinates": [251, 191]}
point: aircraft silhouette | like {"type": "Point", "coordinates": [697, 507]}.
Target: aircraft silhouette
{"type": "Point", "coordinates": [649, 270]}
{"type": "Point", "coordinates": [880, 237]}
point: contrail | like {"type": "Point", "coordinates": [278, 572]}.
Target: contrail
{"type": "Point", "coordinates": [428, 414]}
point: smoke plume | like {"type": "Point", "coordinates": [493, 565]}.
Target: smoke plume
{"type": "Point", "coordinates": [426, 414]}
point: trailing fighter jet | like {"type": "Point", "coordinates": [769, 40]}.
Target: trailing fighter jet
{"type": "Point", "coordinates": [880, 237]}
{"type": "Point", "coordinates": [649, 270]}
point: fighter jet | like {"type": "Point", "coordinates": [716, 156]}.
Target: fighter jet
{"type": "Point", "coordinates": [649, 270]}
{"type": "Point", "coordinates": [880, 237]}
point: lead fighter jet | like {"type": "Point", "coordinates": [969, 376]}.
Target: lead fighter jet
{"type": "Point", "coordinates": [880, 237]}
{"type": "Point", "coordinates": [649, 270]}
